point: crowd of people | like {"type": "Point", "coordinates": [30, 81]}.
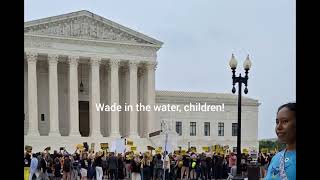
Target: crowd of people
{"type": "Point", "coordinates": [91, 165]}
{"type": "Point", "coordinates": [87, 164]}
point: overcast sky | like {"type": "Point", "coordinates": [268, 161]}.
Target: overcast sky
{"type": "Point", "coordinates": [199, 37]}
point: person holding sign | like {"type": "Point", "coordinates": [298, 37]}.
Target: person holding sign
{"type": "Point", "coordinates": [283, 164]}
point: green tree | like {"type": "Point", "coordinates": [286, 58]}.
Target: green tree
{"type": "Point", "coordinates": [271, 145]}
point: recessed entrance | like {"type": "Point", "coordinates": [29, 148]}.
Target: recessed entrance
{"type": "Point", "coordinates": [84, 125]}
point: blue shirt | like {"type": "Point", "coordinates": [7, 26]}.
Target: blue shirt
{"type": "Point", "coordinates": [289, 166]}
{"type": "Point", "coordinates": [34, 164]}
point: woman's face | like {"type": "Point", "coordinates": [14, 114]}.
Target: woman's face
{"type": "Point", "coordinates": [286, 126]}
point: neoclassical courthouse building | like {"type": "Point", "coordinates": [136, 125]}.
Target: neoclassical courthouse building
{"type": "Point", "coordinates": [73, 61]}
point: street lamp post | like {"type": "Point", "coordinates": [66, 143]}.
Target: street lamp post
{"type": "Point", "coordinates": [239, 80]}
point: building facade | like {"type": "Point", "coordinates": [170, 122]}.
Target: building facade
{"type": "Point", "coordinates": [78, 60]}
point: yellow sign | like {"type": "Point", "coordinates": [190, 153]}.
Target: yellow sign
{"type": "Point", "coordinates": [158, 151]}
{"type": "Point", "coordinates": [217, 146]}
{"type": "Point", "coordinates": [183, 152]}
{"type": "Point", "coordinates": [221, 151]}
{"type": "Point", "coordinates": [80, 146]}
{"type": "Point", "coordinates": [104, 146]}
{"type": "Point", "coordinates": [264, 150]}
{"type": "Point", "coordinates": [133, 148]}
{"type": "Point", "coordinates": [245, 151]}
{"type": "Point", "coordinates": [130, 143]}
{"type": "Point", "coordinates": [205, 148]}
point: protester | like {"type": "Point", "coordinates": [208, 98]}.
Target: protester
{"type": "Point", "coordinates": [113, 166]}
{"type": "Point", "coordinates": [33, 166]}
{"type": "Point", "coordinates": [66, 168]}
{"type": "Point", "coordinates": [283, 164]}
{"type": "Point", "coordinates": [135, 168]}
{"type": "Point", "coordinates": [27, 162]}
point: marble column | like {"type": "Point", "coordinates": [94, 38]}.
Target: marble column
{"type": "Point", "coordinates": [133, 96]}
{"type": "Point", "coordinates": [32, 95]}
{"type": "Point", "coordinates": [53, 95]}
{"type": "Point", "coordinates": [114, 96]}
{"type": "Point", "coordinates": [95, 98]}
{"type": "Point", "coordinates": [150, 95]}
{"type": "Point", "coordinates": [73, 96]}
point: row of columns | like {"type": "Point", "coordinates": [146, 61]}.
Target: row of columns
{"type": "Point", "coordinates": [73, 61]}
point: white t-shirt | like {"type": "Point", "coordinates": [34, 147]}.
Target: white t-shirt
{"type": "Point", "coordinates": [167, 162]}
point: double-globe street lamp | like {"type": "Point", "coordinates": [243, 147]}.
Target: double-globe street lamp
{"type": "Point", "coordinates": [239, 79]}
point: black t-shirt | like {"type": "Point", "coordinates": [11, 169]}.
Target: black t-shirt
{"type": "Point", "coordinates": [43, 165]}
{"type": "Point", "coordinates": [186, 161]}
{"type": "Point", "coordinates": [57, 169]}
{"type": "Point", "coordinates": [27, 161]}
{"type": "Point", "coordinates": [84, 163]}
{"type": "Point", "coordinates": [67, 165]}
{"type": "Point", "coordinates": [98, 161]}
{"type": "Point", "coordinates": [135, 167]}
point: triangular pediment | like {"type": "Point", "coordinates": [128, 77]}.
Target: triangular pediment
{"type": "Point", "coordinates": [86, 25]}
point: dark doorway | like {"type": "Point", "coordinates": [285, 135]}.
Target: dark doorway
{"type": "Point", "coordinates": [84, 125]}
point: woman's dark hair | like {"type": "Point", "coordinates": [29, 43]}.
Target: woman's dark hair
{"type": "Point", "coordinates": [290, 106]}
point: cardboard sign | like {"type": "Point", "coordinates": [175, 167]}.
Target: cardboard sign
{"type": "Point", "coordinates": [104, 146]}
{"type": "Point", "coordinates": [158, 151]}
{"type": "Point", "coordinates": [130, 143]}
